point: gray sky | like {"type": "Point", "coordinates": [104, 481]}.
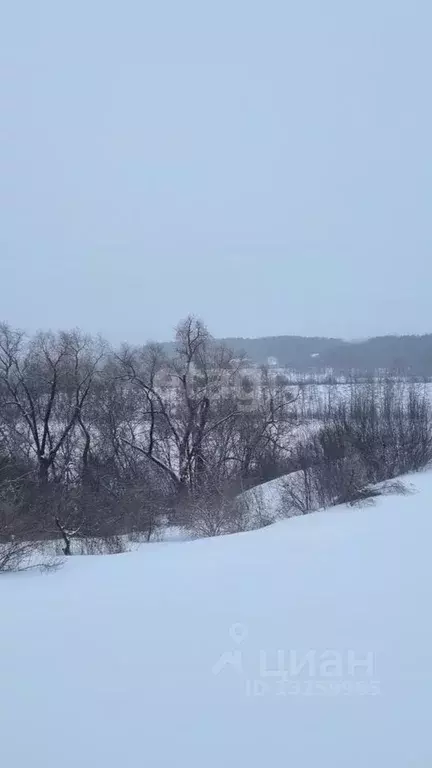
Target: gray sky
{"type": "Point", "coordinates": [266, 165]}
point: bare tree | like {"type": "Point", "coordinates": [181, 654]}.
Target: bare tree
{"type": "Point", "coordinates": [44, 385]}
{"type": "Point", "coordinates": [181, 400]}
{"type": "Point", "coordinates": [21, 547]}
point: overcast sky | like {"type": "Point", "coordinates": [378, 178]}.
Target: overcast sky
{"type": "Point", "coordinates": [263, 164]}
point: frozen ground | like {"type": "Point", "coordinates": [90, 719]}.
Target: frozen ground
{"type": "Point", "coordinates": [168, 656]}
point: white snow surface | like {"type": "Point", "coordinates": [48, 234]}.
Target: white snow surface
{"type": "Point", "coordinates": [119, 660]}
{"type": "Point", "coordinates": [268, 496]}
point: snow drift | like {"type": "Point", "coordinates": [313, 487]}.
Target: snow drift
{"type": "Point", "coordinates": [306, 643]}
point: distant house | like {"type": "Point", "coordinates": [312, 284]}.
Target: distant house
{"type": "Point", "coordinates": [272, 362]}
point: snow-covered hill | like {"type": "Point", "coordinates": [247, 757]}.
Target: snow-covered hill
{"type": "Point", "coordinates": [307, 643]}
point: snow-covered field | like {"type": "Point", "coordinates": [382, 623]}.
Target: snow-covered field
{"type": "Point", "coordinates": [307, 643]}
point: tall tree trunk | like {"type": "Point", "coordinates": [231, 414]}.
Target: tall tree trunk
{"type": "Point", "coordinates": [67, 547]}
{"type": "Point", "coordinates": [44, 465]}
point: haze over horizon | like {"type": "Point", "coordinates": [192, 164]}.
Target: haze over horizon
{"type": "Point", "coordinates": [265, 166]}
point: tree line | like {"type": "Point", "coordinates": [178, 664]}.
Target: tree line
{"type": "Point", "coordinates": [98, 444]}
{"type": "Point", "coordinates": [409, 356]}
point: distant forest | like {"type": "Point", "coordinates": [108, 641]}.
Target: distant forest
{"type": "Point", "coordinates": [406, 355]}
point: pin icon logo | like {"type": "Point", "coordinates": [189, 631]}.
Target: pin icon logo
{"type": "Point", "coordinates": [238, 634]}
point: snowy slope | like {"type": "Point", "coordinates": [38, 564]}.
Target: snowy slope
{"type": "Point", "coordinates": [119, 661]}
{"type": "Point", "coordinates": [268, 496]}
